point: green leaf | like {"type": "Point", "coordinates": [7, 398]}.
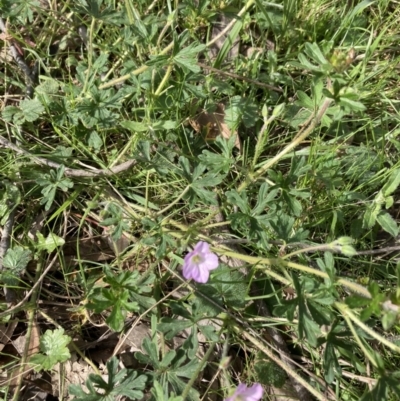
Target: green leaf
{"type": "Point", "coordinates": [31, 108]}
{"type": "Point", "coordinates": [125, 382]}
{"type": "Point", "coordinates": [313, 51]}
{"type": "Point", "coordinates": [227, 46]}
{"type": "Point", "coordinates": [239, 200]}
{"type": "Point", "coordinates": [16, 259]}
{"type": "Point", "coordinates": [305, 63]}
{"type": "Point", "coordinates": [160, 395]}
{"type": "Point", "coordinates": [95, 141]}
{"type": "Point", "coordinates": [9, 112]}
{"type": "Point", "coordinates": [331, 364]}
{"type": "Point", "coordinates": [187, 57]}
{"type": "Point", "coordinates": [392, 184]}
{"type": "Point", "coordinates": [50, 243]}
{"type": "Point", "coordinates": [171, 326]}
{"type": "Point", "coordinates": [135, 126]}
{"type": "Point", "coordinates": [48, 86]}
{"type": "Point", "coordinates": [352, 105]}
{"type": "Point", "coordinates": [164, 125]}
{"type": "Point", "coordinates": [53, 347]}
{"type": "Point", "coordinates": [305, 100]}
{"type": "Point", "coordinates": [387, 222]}
{"type": "Point", "coordinates": [233, 113]}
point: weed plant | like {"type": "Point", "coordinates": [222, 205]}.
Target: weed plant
{"type": "Point", "coordinates": [119, 156]}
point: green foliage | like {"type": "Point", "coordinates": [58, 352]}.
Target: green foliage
{"type": "Point", "coordinates": [172, 368]}
{"type": "Point", "coordinates": [114, 217]}
{"type": "Point", "coordinates": [123, 382]}
{"type": "Point", "coordinates": [14, 263]}
{"type": "Point", "coordinates": [10, 197]}
{"type": "Point", "coordinates": [53, 349]}
{"type": "Point", "coordinates": [50, 183]}
{"type": "Point", "coordinates": [299, 216]}
{"type": "Point", "coordinates": [374, 212]}
{"type": "Point", "coordinates": [28, 110]}
{"type": "Point", "coordinates": [50, 243]}
{"type": "Point", "coordinates": [123, 295]}
{"type": "Point", "coordinates": [158, 393]}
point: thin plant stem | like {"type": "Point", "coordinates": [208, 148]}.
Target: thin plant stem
{"type": "Point", "coordinates": [174, 202]}
{"type": "Point", "coordinates": [296, 141]}
{"type": "Point", "coordinates": [345, 310]}
{"type": "Point", "coordinates": [143, 68]}
{"type": "Point", "coordinates": [357, 337]}
{"type": "Point", "coordinates": [280, 262]}
{"type": "Point", "coordinates": [194, 377]}
{"type": "Point", "coordinates": [242, 331]}
{"type": "Point", "coordinates": [164, 81]}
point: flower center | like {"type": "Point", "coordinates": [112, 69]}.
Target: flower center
{"type": "Point", "coordinates": [197, 259]}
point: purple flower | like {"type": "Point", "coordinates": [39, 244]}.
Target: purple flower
{"type": "Point", "coordinates": [244, 393]}
{"type": "Point", "coordinates": [198, 263]}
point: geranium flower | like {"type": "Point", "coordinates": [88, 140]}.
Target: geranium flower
{"type": "Point", "coordinates": [198, 263]}
{"type": "Point", "coordinates": [244, 393]}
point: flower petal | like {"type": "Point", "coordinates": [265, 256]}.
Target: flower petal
{"type": "Point", "coordinates": [244, 393]}
{"type": "Point", "coordinates": [253, 393]}
{"type": "Point", "coordinates": [210, 262]}
{"type": "Point", "coordinates": [202, 247]}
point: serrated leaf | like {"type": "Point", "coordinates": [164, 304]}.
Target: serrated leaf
{"type": "Point", "coordinates": [331, 364]}
{"type": "Point", "coordinates": [125, 382]}
{"type": "Point", "coordinates": [53, 347]}
{"type": "Point", "coordinates": [100, 61]}
{"type": "Point", "coordinates": [387, 222]}
{"type": "Point", "coordinates": [31, 108]}
{"type": "Point", "coordinates": [9, 112]}
{"type": "Point", "coordinates": [16, 259]}
{"type": "Point", "coordinates": [187, 57]}
{"type": "Point", "coordinates": [49, 86]}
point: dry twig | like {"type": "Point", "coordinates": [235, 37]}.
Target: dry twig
{"type": "Point", "coordinates": [69, 172]}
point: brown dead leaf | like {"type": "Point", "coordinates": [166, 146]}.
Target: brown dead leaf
{"type": "Point", "coordinates": [212, 124]}
{"type": "Point", "coordinates": [76, 371]}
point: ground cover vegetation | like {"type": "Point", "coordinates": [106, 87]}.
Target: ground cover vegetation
{"type": "Point", "coordinates": [199, 200]}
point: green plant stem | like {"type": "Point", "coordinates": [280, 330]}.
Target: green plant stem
{"type": "Point", "coordinates": [296, 141]}
{"type": "Point", "coordinates": [261, 141]}
{"type": "Point", "coordinates": [322, 247]}
{"type": "Point", "coordinates": [199, 369]}
{"type": "Point", "coordinates": [164, 81]}
{"type": "Point", "coordinates": [143, 68]}
{"type": "Point", "coordinates": [138, 71]}
{"type": "Point", "coordinates": [258, 344]}
{"type": "Point", "coordinates": [345, 310]}
{"type": "Point", "coordinates": [356, 336]}
{"type": "Point", "coordinates": [280, 262]}
{"type": "Point", "coordinates": [174, 202]}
